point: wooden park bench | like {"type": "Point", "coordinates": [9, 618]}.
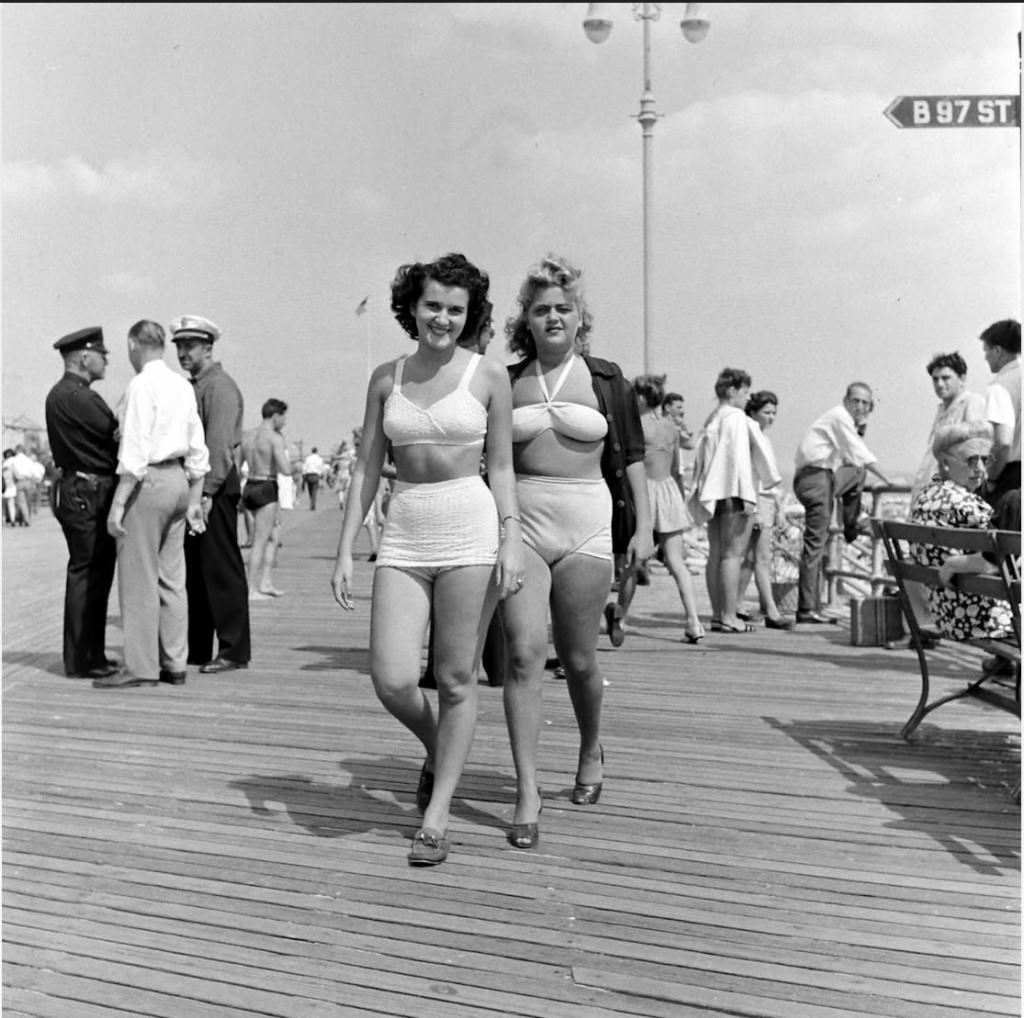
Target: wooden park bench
{"type": "Point", "coordinates": [1003, 548]}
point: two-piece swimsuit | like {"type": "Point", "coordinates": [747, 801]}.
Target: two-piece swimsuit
{"type": "Point", "coordinates": [443, 524]}
{"type": "Point", "coordinates": [562, 515]}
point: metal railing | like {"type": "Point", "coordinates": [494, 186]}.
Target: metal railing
{"type": "Point", "coordinates": [862, 564]}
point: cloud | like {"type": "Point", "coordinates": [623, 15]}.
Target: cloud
{"type": "Point", "coordinates": [128, 283]}
{"type": "Point", "coordinates": [159, 178]}
{"type": "Point", "coordinates": [367, 199]}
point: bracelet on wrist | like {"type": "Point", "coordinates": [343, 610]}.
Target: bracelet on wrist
{"type": "Point", "coordinates": [511, 517]}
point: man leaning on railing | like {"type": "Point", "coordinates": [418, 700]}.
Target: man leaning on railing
{"type": "Point", "coordinates": [832, 441]}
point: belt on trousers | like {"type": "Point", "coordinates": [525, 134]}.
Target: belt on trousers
{"type": "Point", "coordinates": [812, 470]}
{"type": "Point", "coordinates": [93, 478]}
{"type": "Point", "coordinates": [174, 461]}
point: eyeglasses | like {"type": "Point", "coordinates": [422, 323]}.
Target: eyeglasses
{"type": "Point", "coordinates": [974, 461]}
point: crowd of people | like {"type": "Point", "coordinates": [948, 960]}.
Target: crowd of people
{"type": "Point", "coordinates": [509, 509]}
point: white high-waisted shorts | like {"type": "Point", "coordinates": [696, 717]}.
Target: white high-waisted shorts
{"type": "Point", "coordinates": [440, 526]}
{"type": "Point", "coordinates": [565, 516]}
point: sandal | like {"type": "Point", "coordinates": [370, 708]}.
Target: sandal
{"type": "Point", "coordinates": [716, 625]}
{"type": "Point", "coordinates": [429, 847]}
{"type": "Point", "coordinates": [587, 795]}
{"type": "Point", "coordinates": [694, 634]}
{"type": "Point", "coordinates": [527, 835]}
{"type": "Point", "coordinates": [746, 628]}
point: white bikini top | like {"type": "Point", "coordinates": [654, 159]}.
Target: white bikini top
{"type": "Point", "coordinates": [574, 420]}
{"type": "Point", "coordinates": [456, 419]}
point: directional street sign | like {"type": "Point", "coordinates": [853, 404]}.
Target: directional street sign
{"type": "Point", "coordinates": [954, 111]}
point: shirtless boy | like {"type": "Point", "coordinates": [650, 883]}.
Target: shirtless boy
{"type": "Point", "coordinates": [264, 451]}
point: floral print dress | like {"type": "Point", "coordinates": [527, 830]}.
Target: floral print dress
{"type": "Point", "coordinates": [958, 615]}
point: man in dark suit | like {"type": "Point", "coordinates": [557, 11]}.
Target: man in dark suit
{"type": "Point", "coordinates": [218, 591]}
{"type": "Point", "coordinates": [82, 431]}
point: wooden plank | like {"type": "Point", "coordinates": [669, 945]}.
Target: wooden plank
{"type": "Point", "coordinates": [765, 845]}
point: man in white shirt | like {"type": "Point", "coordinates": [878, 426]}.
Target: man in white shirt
{"type": "Point", "coordinates": [161, 462]}
{"type": "Point", "coordinates": [312, 470]}
{"type": "Point", "coordinates": [1001, 347]}
{"type": "Point", "coordinates": [948, 372]}
{"type": "Point", "coordinates": [23, 468]}
{"type": "Point", "coordinates": [831, 442]}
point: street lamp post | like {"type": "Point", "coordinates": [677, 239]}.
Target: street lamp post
{"type": "Point", "coordinates": [598, 26]}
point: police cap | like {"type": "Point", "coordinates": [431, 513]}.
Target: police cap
{"type": "Point", "coordinates": [83, 339]}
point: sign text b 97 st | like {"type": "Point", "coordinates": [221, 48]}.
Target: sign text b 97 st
{"type": "Point", "coordinates": [955, 111]}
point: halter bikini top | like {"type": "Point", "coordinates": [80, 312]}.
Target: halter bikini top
{"type": "Point", "coordinates": [582, 423]}
{"type": "Point", "coordinates": [456, 419]}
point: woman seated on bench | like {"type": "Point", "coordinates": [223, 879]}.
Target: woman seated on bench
{"type": "Point", "coordinates": [950, 500]}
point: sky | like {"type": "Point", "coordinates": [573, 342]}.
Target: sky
{"type": "Point", "coordinates": [268, 166]}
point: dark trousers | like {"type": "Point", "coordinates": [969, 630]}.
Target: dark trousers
{"type": "Point", "coordinates": [218, 592]}
{"type": "Point", "coordinates": [849, 488]}
{"type": "Point", "coordinates": [814, 488]}
{"type": "Point", "coordinates": [81, 507]}
{"type": "Point", "coordinates": [312, 486]}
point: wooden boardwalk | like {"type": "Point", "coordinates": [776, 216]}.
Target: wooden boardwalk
{"type": "Point", "coordinates": [766, 844]}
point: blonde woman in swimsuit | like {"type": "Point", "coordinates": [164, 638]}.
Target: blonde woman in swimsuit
{"type": "Point", "coordinates": [578, 449]}
{"type": "Point", "coordinates": [451, 546]}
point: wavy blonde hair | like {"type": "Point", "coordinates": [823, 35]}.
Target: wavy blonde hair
{"type": "Point", "coordinates": [550, 271]}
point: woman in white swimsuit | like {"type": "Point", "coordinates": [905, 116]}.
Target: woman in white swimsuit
{"type": "Point", "coordinates": [579, 460]}
{"type": "Point", "coordinates": [451, 545]}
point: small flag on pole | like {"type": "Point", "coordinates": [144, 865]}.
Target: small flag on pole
{"type": "Point", "coordinates": [361, 307]}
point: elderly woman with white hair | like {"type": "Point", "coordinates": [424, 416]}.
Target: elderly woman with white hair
{"type": "Point", "coordinates": [963, 452]}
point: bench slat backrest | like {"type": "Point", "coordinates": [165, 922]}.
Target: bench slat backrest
{"type": "Point", "coordinates": [1008, 545]}
{"type": "Point", "coordinates": [896, 536]}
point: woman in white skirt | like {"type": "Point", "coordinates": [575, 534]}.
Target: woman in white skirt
{"type": "Point", "coordinates": [762, 407]}
{"type": "Point", "coordinates": [452, 545]}
{"type": "Point", "coordinates": [669, 514]}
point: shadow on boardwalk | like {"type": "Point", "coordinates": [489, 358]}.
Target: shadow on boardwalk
{"type": "Point", "coordinates": [766, 844]}
{"type": "Point", "coordinates": [912, 784]}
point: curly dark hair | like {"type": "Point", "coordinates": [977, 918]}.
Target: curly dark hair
{"type": "Point", "coordinates": [948, 360]}
{"type": "Point", "coordinates": [730, 378]}
{"type": "Point", "coordinates": [449, 270]}
{"type": "Point", "coordinates": [551, 271]}
{"type": "Point", "coordinates": [759, 400]}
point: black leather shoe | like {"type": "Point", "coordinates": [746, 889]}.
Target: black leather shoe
{"type": "Point", "coordinates": [173, 678]}
{"type": "Point", "coordinates": [813, 618]}
{"type": "Point", "coordinates": [99, 672]}
{"type": "Point", "coordinates": [221, 664]}
{"type": "Point", "coordinates": [613, 619]}
{"type": "Point", "coordinates": [121, 680]}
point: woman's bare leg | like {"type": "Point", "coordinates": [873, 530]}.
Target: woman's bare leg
{"type": "Point", "coordinates": [579, 589]}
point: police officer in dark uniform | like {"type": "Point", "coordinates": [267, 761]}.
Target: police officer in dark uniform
{"type": "Point", "coordinates": [82, 432]}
